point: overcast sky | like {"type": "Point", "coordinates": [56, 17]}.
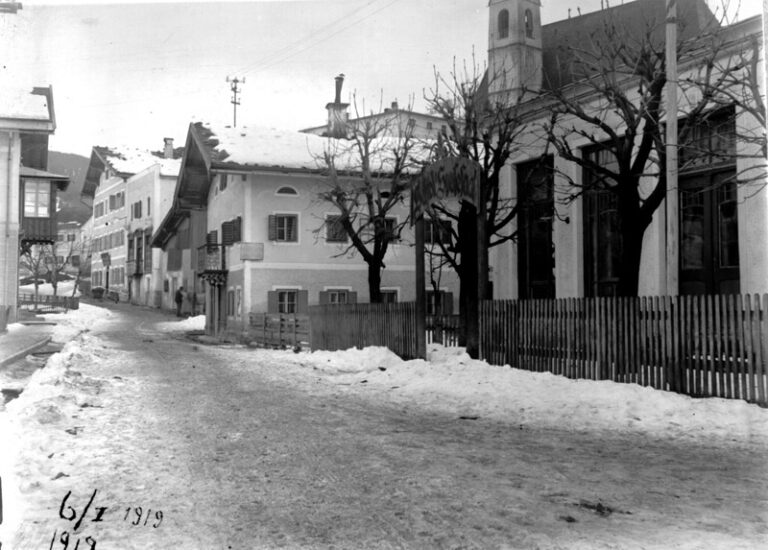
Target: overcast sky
{"type": "Point", "coordinates": [136, 72]}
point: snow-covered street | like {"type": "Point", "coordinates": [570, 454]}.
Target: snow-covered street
{"type": "Point", "coordinates": [175, 444]}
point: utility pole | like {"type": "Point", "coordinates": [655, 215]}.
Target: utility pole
{"type": "Point", "coordinates": [672, 198]}
{"type": "Point", "coordinates": [233, 85]}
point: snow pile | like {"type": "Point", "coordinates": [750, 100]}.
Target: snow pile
{"type": "Point", "coordinates": [451, 382]}
{"type": "Point", "coordinates": [190, 323]}
{"type": "Point", "coordinates": [53, 395]}
{"type": "Point", "coordinates": [64, 288]}
{"type": "Point", "coordinates": [354, 360]}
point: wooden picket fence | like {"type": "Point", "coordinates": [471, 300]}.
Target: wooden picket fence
{"type": "Point", "coordinates": [43, 303]}
{"type": "Point", "coordinates": [278, 330]}
{"type": "Point", "coordinates": [695, 345]}
{"type": "Point", "coordinates": [344, 326]}
{"type": "Point", "coordinates": [443, 329]}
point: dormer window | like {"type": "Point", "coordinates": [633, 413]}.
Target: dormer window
{"type": "Point", "coordinates": [528, 24]}
{"type": "Point", "coordinates": [504, 23]}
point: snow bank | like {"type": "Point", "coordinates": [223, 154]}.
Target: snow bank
{"type": "Point", "coordinates": [452, 382]}
{"type": "Point", "coordinates": [64, 288]}
{"type": "Point", "coordinates": [191, 323]}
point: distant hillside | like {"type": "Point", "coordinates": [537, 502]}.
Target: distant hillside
{"type": "Point", "coordinates": [74, 166]}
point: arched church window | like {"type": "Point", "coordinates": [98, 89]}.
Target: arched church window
{"type": "Point", "coordinates": [528, 24]}
{"type": "Point", "coordinates": [503, 24]}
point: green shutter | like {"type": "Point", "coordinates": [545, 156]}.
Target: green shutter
{"type": "Point", "coordinates": [227, 233]}
{"type": "Point", "coordinates": [272, 301]}
{"type": "Point", "coordinates": [238, 229]}
{"type": "Point", "coordinates": [323, 297]}
{"type": "Point", "coordinates": [293, 223]}
{"type": "Point", "coordinates": [272, 228]}
{"type": "Point", "coordinates": [302, 305]}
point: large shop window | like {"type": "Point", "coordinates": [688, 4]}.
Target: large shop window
{"type": "Point", "coordinates": [709, 226]}
{"type": "Point", "coordinates": [709, 243]}
{"type": "Point", "coordinates": [602, 235]}
{"type": "Point", "coordinates": [535, 247]}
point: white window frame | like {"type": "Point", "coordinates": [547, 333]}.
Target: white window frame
{"type": "Point", "coordinates": [298, 230]}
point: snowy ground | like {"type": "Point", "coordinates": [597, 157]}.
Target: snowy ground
{"type": "Point", "coordinates": [449, 383]}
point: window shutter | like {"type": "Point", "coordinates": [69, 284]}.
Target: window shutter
{"type": "Point", "coordinates": [227, 233]}
{"type": "Point", "coordinates": [272, 301]}
{"type": "Point", "coordinates": [238, 232]}
{"type": "Point", "coordinates": [138, 207]}
{"type": "Point", "coordinates": [323, 297]}
{"type": "Point", "coordinates": [293, 235]}
{"type": "Point", "coordinates": [148, 207]}
{"type": "Point", "coordinates": [272, 228]}
{"type": "Point", "coordinates": [212, 237]}
{"type": "Point", "coordinates": [303, 301]}
{"type": "Point", "coordinates": [352, 297]}
{"type": "Point", "coordinates": [111, 202]}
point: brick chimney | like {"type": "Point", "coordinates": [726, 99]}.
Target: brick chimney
{"type": "Point", "coordinates": [337, 113]}
{"type": "Point", "coordinates": [168, 149]}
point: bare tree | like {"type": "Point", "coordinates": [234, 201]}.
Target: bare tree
{"type": "Point", "coordinates": [58, 256]}
{"type": "Point", "coordinates": [81, 260]}
{"type": "Point", "coordinates": [615, 104]}
{"type": "Point", "coordinates": [33, 260]}
{"type": "Point", "coordinates": [366, 178]}
{"type": "Point", "coordinates": [484, 131]}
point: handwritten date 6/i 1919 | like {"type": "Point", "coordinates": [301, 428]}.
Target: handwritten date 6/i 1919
{"type": "Point", "coordinates": [135, 514]}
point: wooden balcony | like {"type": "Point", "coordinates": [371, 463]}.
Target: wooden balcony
{"type": "Point", "coordinates": [211, 263]}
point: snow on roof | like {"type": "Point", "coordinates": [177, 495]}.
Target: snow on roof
{"type": "Point", "coordinates": [132, 160]}
{"type": "Point", "coordinates": [22, 103]}
{"type": "Point", "coordinates": [288, 149]}
{"type": "Point", "coordinates": [267, 147]}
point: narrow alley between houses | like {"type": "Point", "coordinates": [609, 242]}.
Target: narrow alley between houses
{"type": "Point", "coordinates": [139, 437]}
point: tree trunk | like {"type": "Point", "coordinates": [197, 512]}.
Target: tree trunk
{"type": "Point", "coordinates": [374, 282]}
{"type": "Point", "coordinates": [632, 226]}
{"type": "Point", "coordinates": [468, 299]}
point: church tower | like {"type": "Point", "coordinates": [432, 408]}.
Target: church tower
{"type": "Point", "coordinates": [514, 49]}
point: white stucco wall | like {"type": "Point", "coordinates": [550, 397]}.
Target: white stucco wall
{"type": "Point", "coordinates": [10, 151]}
{"type": "Point", "coordinates": [311, 263]}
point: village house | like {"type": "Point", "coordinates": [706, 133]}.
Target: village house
{"type": "Point", "coordinates": [248, 234]}
{"type": "Point", "coordinates": [27, 190]}
{"type": "Point", "coordinates": [568, 242]}
{"type": "Point", "coordinates": [131, 190]}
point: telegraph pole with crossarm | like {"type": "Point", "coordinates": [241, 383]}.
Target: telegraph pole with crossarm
{"type": "Point", "coordinates": [234, 82]}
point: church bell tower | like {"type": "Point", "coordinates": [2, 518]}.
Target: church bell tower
{"type": "Point", "coordinates": [514, 50]}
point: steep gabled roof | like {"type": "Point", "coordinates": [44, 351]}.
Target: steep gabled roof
{"type": "Point", "coordinates": [562, 39]}
{"type": "Point", "coordinates": [125, 162]}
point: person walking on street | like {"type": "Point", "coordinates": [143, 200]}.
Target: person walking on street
{"type": "Point", "coordinates": [179, 298]}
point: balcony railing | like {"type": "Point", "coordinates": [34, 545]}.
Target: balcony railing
{"type": "Point", "coordinates": [212, 264]}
